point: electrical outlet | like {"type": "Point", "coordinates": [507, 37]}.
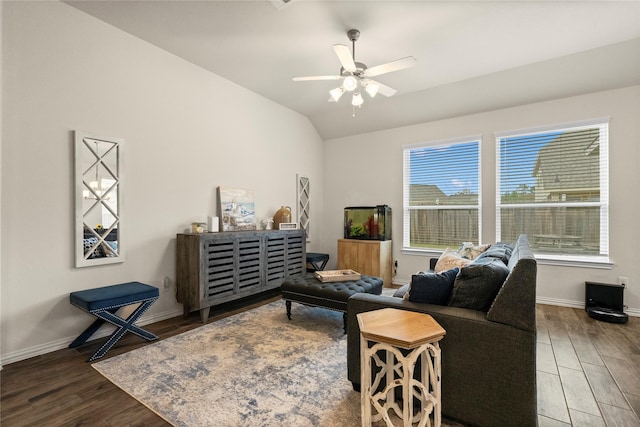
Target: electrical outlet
{"type": "Point", "coordinates": [623, 281]}
{"type": "Point", "coordinates": [166, 283]}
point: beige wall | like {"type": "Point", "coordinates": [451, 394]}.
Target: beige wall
{"type": "Point", "coordinates": [367, 170]}
{"type": "Point", "coordinates": [186, 132]}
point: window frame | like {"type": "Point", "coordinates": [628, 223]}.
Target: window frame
{"type": "Point", "coordinates": [600, 260]}
{"type": "Point", "coordinates": [406, 208]}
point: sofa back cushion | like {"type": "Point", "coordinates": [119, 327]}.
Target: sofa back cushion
{"type": "Point", "coordinates": [478, 283]}
{"type": "Point", "coordinates": [500, 250]}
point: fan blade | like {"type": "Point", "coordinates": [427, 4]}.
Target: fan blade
{"type": "Point", "coordinates": [384, 89]}
{"type": "Point", "coordinates": [399, 64]}
{"type": "Point", "coordinates": [311, 78]}
{"type": "Point", "coordinates": [344, 55]}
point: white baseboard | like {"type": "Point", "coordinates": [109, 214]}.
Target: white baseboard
{"type": "Point", "coordinates": [38, 350]}
{"type": "Point", "coordinates": [578, 304]}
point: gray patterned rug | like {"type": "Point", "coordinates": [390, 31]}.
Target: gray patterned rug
{"type": "Point", "coordinates": [254, 368]}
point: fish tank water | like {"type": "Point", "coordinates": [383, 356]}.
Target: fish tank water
{"type": "Point", "coordinates": [367, 222]}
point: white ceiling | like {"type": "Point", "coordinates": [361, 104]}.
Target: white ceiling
{"type": "Point", "coordinates": [471, 56]}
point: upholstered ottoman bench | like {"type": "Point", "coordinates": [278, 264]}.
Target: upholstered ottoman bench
{"type": "Point", "coordinates": [308, 290]}
{"type": "Point", "coordinates": [104, 303]}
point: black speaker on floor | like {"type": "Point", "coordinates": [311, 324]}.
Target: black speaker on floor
{"type": "Point", "coordinates": [605, 302]}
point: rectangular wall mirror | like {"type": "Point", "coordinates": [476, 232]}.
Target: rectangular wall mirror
{"type": "Point", "coordinates": [98, 200]}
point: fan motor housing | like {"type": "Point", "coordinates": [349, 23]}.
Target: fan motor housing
{"type": "Point", "coordinates": [360, 69]}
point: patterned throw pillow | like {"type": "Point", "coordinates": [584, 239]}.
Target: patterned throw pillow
{"type": "Point", "coordinates": [450, 259]}
{"type": "Point", "coordinates": [469, 251]}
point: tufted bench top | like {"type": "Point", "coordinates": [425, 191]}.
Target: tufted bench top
{"type": "Point", "coordinates": [338, 291]}
{"type": "Point", "coordinates": [332, 295]}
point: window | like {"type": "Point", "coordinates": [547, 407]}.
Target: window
{"type": "Point", "coordinates": [552, 184]}
{"type": "Point", "coordinates": [441, 194]}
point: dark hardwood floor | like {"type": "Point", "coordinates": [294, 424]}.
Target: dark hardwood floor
{"type": "Point", "coordinates": [588, 375]}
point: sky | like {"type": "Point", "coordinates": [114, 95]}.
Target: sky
{"type": "Point", "coordinates": [519, 153]}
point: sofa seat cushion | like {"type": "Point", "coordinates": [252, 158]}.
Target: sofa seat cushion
{"type": "Point", "coordinates": [477, 284]}
{"type": "Point", "coordinates": [432, 288]}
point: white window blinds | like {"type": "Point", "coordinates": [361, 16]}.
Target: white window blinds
{"type": "Point", "coordinates": [441, 194]}
{"type": "Point", "coordinates": [552, 184]}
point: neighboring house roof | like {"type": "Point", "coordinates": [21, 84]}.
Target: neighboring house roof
{"type": "Point", "coordinates": [430, 195]}
{"type": "Point", "coordinates": [569, 163]}
{"type": "Point", "coordinates": [425, 195]}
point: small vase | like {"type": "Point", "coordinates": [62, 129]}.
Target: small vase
{"type": "Point", "coordinates": [282, 215]}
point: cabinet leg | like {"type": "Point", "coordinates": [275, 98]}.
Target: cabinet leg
{"type": "Point", "coordinates": [288, 304]}
{"type": "Point", "coordinates": [204, 314]}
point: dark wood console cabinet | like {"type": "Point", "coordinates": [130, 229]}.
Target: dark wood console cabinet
{"type": "Point", "coordinates": [213, 268]}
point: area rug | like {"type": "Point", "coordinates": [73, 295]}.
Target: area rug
{"type": "Point", "coordinates": [255, 368]}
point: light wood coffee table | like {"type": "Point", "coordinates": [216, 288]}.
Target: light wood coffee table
{"type": "Point", "coordinates": [384, 334]}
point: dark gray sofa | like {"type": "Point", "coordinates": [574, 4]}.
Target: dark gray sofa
{"type": "Point", "coordinates": [488, 359]}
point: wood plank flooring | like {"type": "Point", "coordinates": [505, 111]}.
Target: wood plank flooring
{"type": "Point", "coordinates": [588, 371]}
{"type": "Point", "coordinates": [588, 375]}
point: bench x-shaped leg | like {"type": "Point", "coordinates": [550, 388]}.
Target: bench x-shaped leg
{"type": "Point", "coordinates": [122, 325]}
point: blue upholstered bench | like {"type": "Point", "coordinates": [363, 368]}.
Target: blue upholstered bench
{"type": "Point", "coordinates": [317, 261]}
{"type": "Point", "coordinates": [105, 302]}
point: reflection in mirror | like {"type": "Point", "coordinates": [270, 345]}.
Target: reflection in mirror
{"type": "Point", "coordinates": [98, 200]}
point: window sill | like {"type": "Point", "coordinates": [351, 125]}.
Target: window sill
{"type": "Point", "coordinates": [562, 261]}
{"type": "Point", "coordinates": [569, 261]}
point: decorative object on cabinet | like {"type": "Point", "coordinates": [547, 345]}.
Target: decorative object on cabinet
{"type": "Point", "coordinates": [288, 226]}
{"type": "Point", "coordinates": [304, 208]}
{"type": "Point", "coordinates": [282, 215]}
{"type": "Point", "coordinates": [369, 257]}
{"type": "Point", "coordinates": [98, 184]}
{"type": "Point", "coordinates": [367, 222]}
{"type": "Point", "coordinates": [198, 227]}
{"type": "Point", "coordinates": [213, 223]}
{"type": "Point", "coordinates": [213, 268]}
{"type": "Point", "coordinates": [236, 208]}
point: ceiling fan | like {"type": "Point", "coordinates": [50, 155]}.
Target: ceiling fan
{"type": "Point", "coordinates": [356, 75]}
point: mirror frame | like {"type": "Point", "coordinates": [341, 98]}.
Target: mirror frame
{"type": "Point", "coordinates": [81, 142]}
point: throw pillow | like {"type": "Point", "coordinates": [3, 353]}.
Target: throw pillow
{"type": "Point", "coordinates": [432, 288]}
{"type": "Point", "coordinates": [477, 284]}
{"type": "Point", "coordinates": [470, 251]}
{"type": "Point", "coordinates": [450, 259]}
{"type": "Point", "coordinates": [501, 251]}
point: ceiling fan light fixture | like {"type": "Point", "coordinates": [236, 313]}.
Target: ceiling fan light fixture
{"type": "Point", "coordinates": [372, 89]}
{"type": "Point", "coordinates": [357, 100]}
{"type": "Point", "coordinates": [350, 83]}
{"type": "Point", "coordinates": [336, 93]}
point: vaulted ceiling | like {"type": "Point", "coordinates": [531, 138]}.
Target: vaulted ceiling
{"type": "Point", "coordinates": [471, 56]}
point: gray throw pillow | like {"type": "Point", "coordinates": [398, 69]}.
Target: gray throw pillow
{"type": "Point", "coordinates": [477, 284]}
{"type": "Point", "coordinates": [432, 288]}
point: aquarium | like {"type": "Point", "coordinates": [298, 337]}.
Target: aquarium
{"type": "Point", "coordinates": [367, 222]}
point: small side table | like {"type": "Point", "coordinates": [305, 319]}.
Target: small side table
{"type": "Point", "coordinates": [393, 331]}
